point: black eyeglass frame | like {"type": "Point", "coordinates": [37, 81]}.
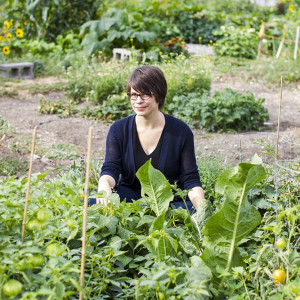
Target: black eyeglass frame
{"type": "Point", "coordinates": [134, 96]}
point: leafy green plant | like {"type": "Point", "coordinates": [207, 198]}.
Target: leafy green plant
{"type": "Point", "coordinates": [62, 151]}
{"type": "Point", "coordinates": [118, 29]}
{"type": "Point", "coordinates": [12, 166]}
{"type": "Point", "coordinates": [237, 42]}
{"type": "Point", "coordinates": [114, 108]}
{"type": "Point", "coordinates": [237, 218]}
{"type": "Point", "coordinates": [226, 110]}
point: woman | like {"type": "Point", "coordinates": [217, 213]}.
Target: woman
{"type": "Point", "coordinates": [149, 133]}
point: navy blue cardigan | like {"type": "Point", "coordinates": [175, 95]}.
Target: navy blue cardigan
{"type": "Point", "coordinates": [177, 161]}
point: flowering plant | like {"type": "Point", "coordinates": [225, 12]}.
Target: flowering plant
{"type": "Point", "coordinates": [173, 48]}
{"type": "Point", "coordinates": [8, 31]}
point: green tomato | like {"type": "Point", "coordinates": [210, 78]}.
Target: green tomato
{"type": "Point", "coordinates": [12, 287]}
{"type": "Point", "coordinates": [54, 249]}
{"type": "Point", "coordinates": [71, 223]}
{"type": "Point", "coordinates": [34, 225]}
{"type": "Point", "coordinates": [36, 260]}
{"type": "Point", "coordinates": [44, 214]}
{"type": "Point", "coordinates": [281, 243]}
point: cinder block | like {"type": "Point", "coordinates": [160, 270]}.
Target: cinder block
{"type": "Point", "coordinates": [17, 70]}
{"type": "Point", "coordinates": [121, 54]}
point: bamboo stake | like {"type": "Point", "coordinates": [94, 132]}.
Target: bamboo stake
{"type": "Point", "coordinates": [282, 42]}
{"type": "Point", "coordinates": [296, 42]}
{"type": "Point", "coordinates": [28, 184]}
{"type": "Point", "coordinates": [84, 221]}
{"type": "Point", "coordinates": [278, 122]}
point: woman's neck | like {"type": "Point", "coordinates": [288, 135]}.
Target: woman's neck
{"type": "Point", "coordinates": [150, 121]}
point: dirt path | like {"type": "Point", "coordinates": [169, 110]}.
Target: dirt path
{"type": "Point", "coordinates": [22, 114]}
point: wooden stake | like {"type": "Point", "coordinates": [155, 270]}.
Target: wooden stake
{"type": "Point", "coordinates": [28, 184]}
{"type": "Point", "coordinates": [84, 221]}
{"type": "Point", "coordinates": [296, 42]}
{"type": "Point", "coordinates": [278, 122]}
{"type": "Point", "coordinates": [282, 42]}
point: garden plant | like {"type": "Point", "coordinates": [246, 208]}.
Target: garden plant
{"type": "Point", "coordinates": [246, 242]}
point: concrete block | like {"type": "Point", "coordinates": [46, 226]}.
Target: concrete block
{"type": "Point", "coordinates": [121, 54]}
{"type": "Point", "coordinates": [200, 49]}
{"type": "Point", "coordinates": [17, 70]}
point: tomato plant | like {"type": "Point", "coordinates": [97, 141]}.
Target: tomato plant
{"type": "Point", "coordinates": [44, 214]}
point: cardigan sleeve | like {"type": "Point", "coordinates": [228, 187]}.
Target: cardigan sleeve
{"type": "Point", "coordinates": [113, 161]}
{"type": "Point", "coordinates": [189, 170]}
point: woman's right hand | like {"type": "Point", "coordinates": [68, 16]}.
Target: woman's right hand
{"type": "Point", "coordinates": [103, 201]}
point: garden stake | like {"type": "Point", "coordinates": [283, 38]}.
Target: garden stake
{"type": "Point", "coordinates": [296, 42]}
{"type": "Point", "coordinates": [281, 42]}
{"type": "Point", "coordinates": [84, 221]}
{"type": "Point", "coordinates": [28, 184]}
{"type": "Point", "coordinates": [278, 122]}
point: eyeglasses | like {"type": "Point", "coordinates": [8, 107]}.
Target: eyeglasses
{"type": "Point", "coordinates": [134, 96]}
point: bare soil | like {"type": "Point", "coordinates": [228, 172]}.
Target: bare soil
{"type": "Point", "coordinates": [22, 113]}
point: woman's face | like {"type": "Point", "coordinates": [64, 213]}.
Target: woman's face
{"type": "Point", "coordinates": [143, 107]}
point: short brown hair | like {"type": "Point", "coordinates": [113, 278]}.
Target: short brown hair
{"type": "Point", "coordinates": [149, 80]}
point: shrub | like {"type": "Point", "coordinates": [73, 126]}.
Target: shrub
{"type": "Point", "coordinates": [186, 76]}
{"type": "Point", "coordinates": [90, 80]}
{"type": "Point", "coordinates": [227, 110]}
{"type": "Point", "coordinates": [237, 42]}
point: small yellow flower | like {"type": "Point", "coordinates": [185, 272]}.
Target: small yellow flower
{"type": "Point", "coordinates": [25, 23]}
{"type": "Point", "coordinates": [132, 46]}
{"type": "Point", "coordinates": [9, 36]}
{"type": "Point", "coordinates": [291, 7]}
{"type": "Point", "coordinates": [32, 24]}
{"type": "Point", "coordinates": [2, 39]}
{"type": "Point", "coordinates": [199, 38]}
{"type": "Point", "coordinates": [6, 24]}
{"type": "Point", "coordinates": [11, 22]}
{"type": "Point", "coordinates": [6, 50]}
{"type": "Point", "coordinates": [131, 40]}
{"type": "Point", "coordinates": [19, 33]}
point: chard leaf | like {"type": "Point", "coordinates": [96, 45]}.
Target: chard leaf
{"type": "Point", "coordinates": [237, 218]}
{"type": "Point", "coordinates": [155, 188]}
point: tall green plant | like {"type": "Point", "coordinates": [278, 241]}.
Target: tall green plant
{"type": "Point", "coordinates": [226, 229]}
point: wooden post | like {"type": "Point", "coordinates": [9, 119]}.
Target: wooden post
{"type": "Point", "coordinates": [84, 220]}
{"type": "Point", "coordinates": [28, 184]}
{"type": "Point", "coordinates": [296, 42]}
{"type": "Point", "coordinates": [281, 42]}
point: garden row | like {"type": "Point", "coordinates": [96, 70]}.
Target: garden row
{"type": "Point", "coordinates": [145, 250]}
{"type": "Point", "coordinates": [157, 28]}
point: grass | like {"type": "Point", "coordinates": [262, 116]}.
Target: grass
{"type": "Point", "coordinates": [62, 151]}
{"type": "Point", "coordinates": [12, 166]}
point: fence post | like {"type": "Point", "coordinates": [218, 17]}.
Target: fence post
{"type": "Point", "coordinates": [296, 42]}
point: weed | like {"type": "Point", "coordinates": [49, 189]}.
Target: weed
{"type": "Point", "coordinates": [62, 151]}
{"type": "Point", "coordinates": [12, 166]}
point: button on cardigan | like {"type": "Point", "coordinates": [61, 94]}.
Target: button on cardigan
{"type": "Point", "coordinates": [177, 160]}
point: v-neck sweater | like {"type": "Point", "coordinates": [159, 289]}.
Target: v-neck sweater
{"type": "Point", "coordinates": [177, 159]}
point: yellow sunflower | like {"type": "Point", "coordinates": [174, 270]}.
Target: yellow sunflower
{"type": "Point", "coordinates": [19, 33]}
{"type": "Point", "coordinates": [6, 50]}
{"type": "Point", "coordinates": [11, 22]}
{"type": "Point", "coordinates": [2, 39]}
{"type": "Point", "coordinates": [6, 24]}
{"type": "Point", "coordinates": [9, 36]}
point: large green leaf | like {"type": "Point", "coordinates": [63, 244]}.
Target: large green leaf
{"type": "Point", "coordinates": [155, 188]}
{"type": "Point", "coordinates": [237, 218]}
